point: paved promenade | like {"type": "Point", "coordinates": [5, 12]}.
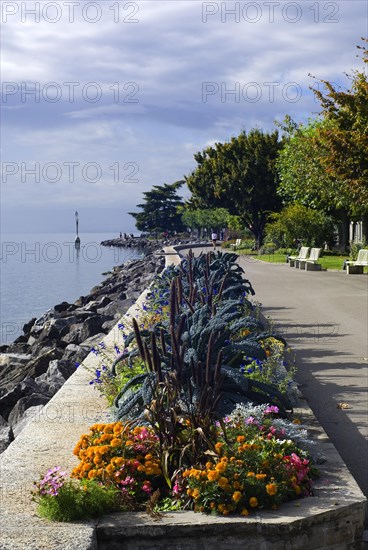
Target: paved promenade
{"type": "Point", "coordinates": [324, 318]}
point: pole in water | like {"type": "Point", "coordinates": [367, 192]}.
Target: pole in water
{"type": "Point", "coordinates": [77, 239]}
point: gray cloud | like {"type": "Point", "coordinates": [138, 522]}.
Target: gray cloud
{"type": "Point", "coordinates": [147, 95]}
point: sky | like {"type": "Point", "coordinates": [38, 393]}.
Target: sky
{"type": "Point", "coordinates": [102, 100]}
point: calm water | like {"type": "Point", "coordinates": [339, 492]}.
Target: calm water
{"type": "Point", "coordinates": [39, 271]}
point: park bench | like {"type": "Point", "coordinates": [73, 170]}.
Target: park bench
{"type": "Point", "coordinates": [236, 245]}
{"type": "Point", "coordinates": [303, 253]}
{"type": "Point", "coordinates": [311, 263]}
{"type": "Point", "coordinates": [357, 266]}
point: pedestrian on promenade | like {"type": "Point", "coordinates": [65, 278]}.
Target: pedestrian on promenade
{"type": "Point", "coordinates": [214, 239]}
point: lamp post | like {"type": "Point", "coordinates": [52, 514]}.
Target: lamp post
{"type": "Point", "coordinates": [77, 239]}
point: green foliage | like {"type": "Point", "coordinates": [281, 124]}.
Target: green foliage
{"type": "Point", "coordinates": [192, 357]}
{"type": "Point", "coordinates": [78, 500]}
{"type": "Point", "coordinates": [296, 221]}
{"type": "Point", "coordinates": [215, 218]}
{"type": "Point", "coordinates": [160, 211]}
{"type": "Point", "coordinates": [344, 138]}
{"type": "Point", "coordinates": [354, 249]}
{"type": "Point", "coordinates": [239, 175]}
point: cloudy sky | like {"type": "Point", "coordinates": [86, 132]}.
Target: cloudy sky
{"type": "Point", "coordinates": [103, 100]}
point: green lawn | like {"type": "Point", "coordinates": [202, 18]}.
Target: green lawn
{"type": "Point", "coordinates": [327, 262]}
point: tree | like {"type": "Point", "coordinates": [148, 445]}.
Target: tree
{"type": "Point", "coordinates": [325, 163]}
{"type": "Point", "coordinates": [296, 221]}
{"type": "Point", "coordinates": [239, 175]}
{"type": "Point", "coordinates": [345, 137]}
{"type": "Point", "coordinates": [304, 179]}
{"type": "Point", "coordinates": [160, 210]}
{"type": "Point", "coordinates": [199, 219]}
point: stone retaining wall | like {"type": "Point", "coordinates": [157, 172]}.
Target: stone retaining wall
{"type": "Point", "coordinates": [332, 519]}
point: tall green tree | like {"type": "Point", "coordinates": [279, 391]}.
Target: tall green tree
{"type": "Point", "coordinates": [304, 179]}
{"type": "Point", "coordinates": [345, 136]}
{"type": "Point", "coordinates": [324, 164]}
{"type": "Point", "coordinates": [239, 175]}
{"type": "Point", "coordinates": [160, 209]}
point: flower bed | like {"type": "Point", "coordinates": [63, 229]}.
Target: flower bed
{"type": "Point", "coordinates": [201, 404]}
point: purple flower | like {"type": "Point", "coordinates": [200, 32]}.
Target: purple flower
{"type": "Point", "coordinates": [117, 350]}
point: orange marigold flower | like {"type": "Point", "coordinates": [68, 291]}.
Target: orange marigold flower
{"type": "Point", "coordinates": [221, 467]}
{"type": "Point", "coordinates": [218, 447]}
{"type": "Point", "coordinates": [253, 502]}
{"type": "Point", "coordinates": [261, 476]}
{"type": "Point", "coordinates": [251, 474]}
{"type": "Point", "coordinates": [195, 493]}
{"type": "Point", "coordinates": [271, 488]}
{"type": "Point", "coordinates": [209, 465]}
{"type": "Point", "coordinates": [244, 512]}
{"type": "Point", "coordinates": [223, 482]}
{"type": "Point", "coordinates": [236, 496]}
{"type": "Point", "coordinates": [240, 438]}
{"type": "Point", "coordinates": [115, 442]}
{"type": "Point", "coordinates": [110, 469]}
{"type": "Point", "coordinates": [212, 475]}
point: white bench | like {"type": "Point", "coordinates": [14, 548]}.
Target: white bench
{"type": "Point", "coordinates": [303, 253]}
{"type": "Point", "coordinates": [310, 264]}
{"type": "Point", "coordinates": [236, 245]}
{"type": "Point", "coordinates": [357, 266]}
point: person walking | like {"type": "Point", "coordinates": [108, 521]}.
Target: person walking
{"type": "Point", "coordinates": [214, 239]}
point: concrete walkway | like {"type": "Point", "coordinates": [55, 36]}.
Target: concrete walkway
{"type": "Point", "coordinates": [324, 318]}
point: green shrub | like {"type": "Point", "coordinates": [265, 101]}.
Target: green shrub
{"type": "Point", "coordinates": [61, 500]}
{"type": "Point", "coordinates": [296, 221]}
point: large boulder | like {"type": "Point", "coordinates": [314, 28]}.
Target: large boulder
{"type": "Point", "coordinates": [6, 437]}
{"type": "Point", "coordinates": [28, 415]}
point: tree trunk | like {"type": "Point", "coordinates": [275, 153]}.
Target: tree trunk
{"type": "Point", "coordinates": [344, 235]}
{"type": "Point", "coordinates": [365, 227]}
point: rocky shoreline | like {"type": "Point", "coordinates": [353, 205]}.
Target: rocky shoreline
{"type": "Point", "coordinates": [35, 366]}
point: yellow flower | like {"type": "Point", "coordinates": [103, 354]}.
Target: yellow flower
{"type": "Point", "coordinates": [244, 512]}
{"type": "Point", "coordinates": [271, 488]}
{"type": "Point", "coordinates": [115, 442]}
{"type": "Point", "coordinates": [253, 502]}
{"type": "Point", "coordinates": [236, 496]}
{"type": "Point", "coordinates": [251, 474]}
{"type": "Point", "coordinates": [195, 493]}
{"type": "Point", "coordinates": [261, 476]}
